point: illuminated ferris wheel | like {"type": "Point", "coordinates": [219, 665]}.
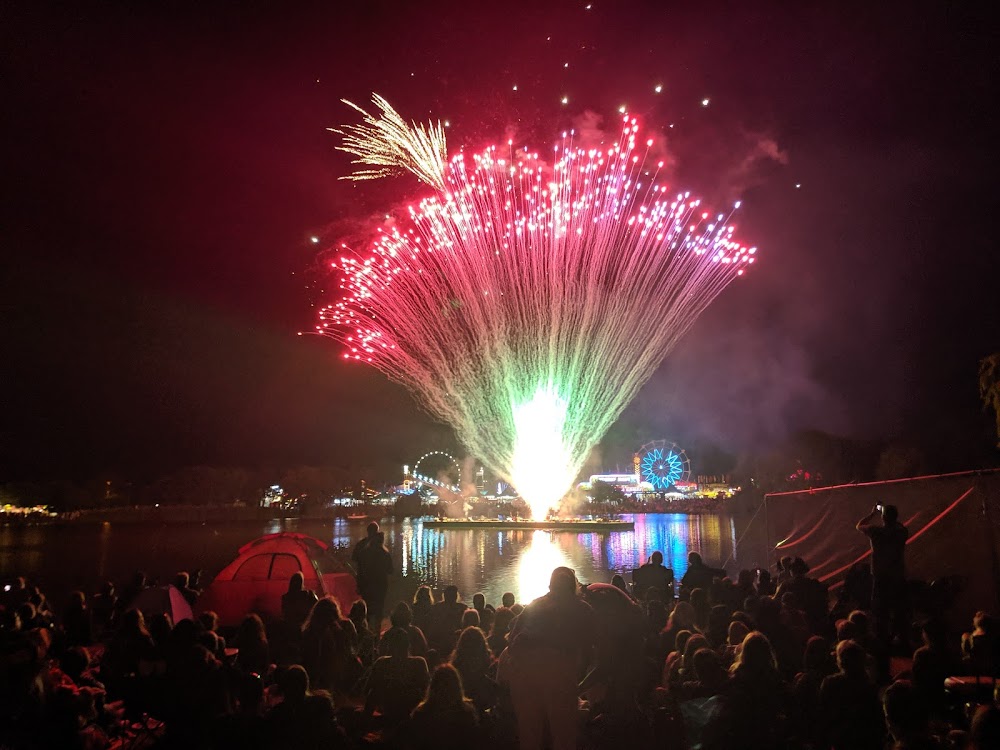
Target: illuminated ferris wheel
{"type": "Point", "coordinates": [662, 464]}
{"type": "Point", "coordinates": [438, 469]}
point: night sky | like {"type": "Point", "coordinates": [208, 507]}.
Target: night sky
{"type": "Point", "coordinates": [166, 164]}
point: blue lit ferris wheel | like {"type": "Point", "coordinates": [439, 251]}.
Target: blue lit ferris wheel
{"type": "Point", "coordinates": [662, 464]}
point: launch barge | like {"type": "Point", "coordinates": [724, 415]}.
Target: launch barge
{"type": "Point", "coordinates": [553, 524]}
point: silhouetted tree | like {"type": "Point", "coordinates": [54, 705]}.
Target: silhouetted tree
{"type": "Point", "coordinates": [989, 385]}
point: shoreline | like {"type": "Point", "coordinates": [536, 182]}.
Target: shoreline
{"type": "Point", "coordinates": [202, 514]}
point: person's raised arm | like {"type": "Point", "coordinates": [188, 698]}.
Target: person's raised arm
{"type": "Point", "coordinates": [866, 523]}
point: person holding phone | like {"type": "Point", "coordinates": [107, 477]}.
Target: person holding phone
{"type": "Point", "coordinates": [889, 596]}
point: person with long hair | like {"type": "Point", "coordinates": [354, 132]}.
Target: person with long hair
{"type": "Point", "coordinates": [816, 666]}
{"type": "Point", "coordinates": [752, 712]}
{"type": "Point", "coordinates": [423, 601]}
{"type": "Point", "coordinates": [445, 719]}
{"type": "Point", "coordinates": [397, 680]}
{"type": "Point", "coordinates": [682, 618]}
{"type": "Point", "coordinates": [473, 661]}
{"type": "Point", "coordinates": [364, 646]}
{"type": "Point", "coordinates": [130, 644]}
{"type": "Point", "coordinates": [297, 602]}
{"type": "Point", "coordinates": [327, 653]}
{"type": "Point", "coordinates": [251, 640]}
{"type": "Point", "coordinates": [682, 668]}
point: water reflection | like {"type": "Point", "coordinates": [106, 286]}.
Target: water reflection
{"type": "Point", "coordinates": [536, 564]}
{"type": "Point", "coordinates": [495, 561]}
{"type": "Point", "coordinates": [63, 558]}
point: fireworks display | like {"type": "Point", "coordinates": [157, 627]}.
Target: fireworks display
{"type": "Point", "coordinates": [529, 299]}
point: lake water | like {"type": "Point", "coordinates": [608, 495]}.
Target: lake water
{"type": "Point", "coordinates": [63, 558]}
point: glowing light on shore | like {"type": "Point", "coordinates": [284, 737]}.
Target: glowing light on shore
{"type": "Point", "coordinates": [528, 300]}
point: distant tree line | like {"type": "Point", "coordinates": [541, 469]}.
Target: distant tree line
{"type": "Point", "coordinates": [190, 485]}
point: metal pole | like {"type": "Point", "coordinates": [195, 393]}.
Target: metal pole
{"type": "Point", "coordinates": [992, 542]}
{"type": "Point", "coordinates": [767, 538]}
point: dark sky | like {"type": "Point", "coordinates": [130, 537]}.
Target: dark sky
{"type": "Point", "coordinates": [165, 164]}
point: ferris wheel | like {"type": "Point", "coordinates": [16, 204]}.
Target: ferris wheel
{"type": "Point", "coordinates": [438, 469]}
{"type": "Point", "coordinates": [662, 464]}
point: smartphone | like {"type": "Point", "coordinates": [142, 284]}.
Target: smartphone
{"type": "Point", "coordinates": [880, 508]}
{"type": "Point", "coordinates": [6, 587]}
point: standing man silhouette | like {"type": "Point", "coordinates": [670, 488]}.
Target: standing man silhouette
{"type": "Point", "coordinates": [374, 565]}
{"type": "Point", "coordinates": [889, 595]}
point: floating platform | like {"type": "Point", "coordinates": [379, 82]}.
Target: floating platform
{"type": "Point", "coordinates": [554, 524]}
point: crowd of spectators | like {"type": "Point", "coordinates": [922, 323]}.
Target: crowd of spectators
{"type": "Point", "coordinates": [712, 662]}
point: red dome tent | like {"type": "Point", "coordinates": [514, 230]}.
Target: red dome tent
{"type": "Point", "coordinates": [257, 578]}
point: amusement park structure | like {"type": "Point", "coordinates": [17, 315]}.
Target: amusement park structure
{"type": "Point", "coordinates": [436, 469]}
{"type": "Point", "coordinates": [661, 467]}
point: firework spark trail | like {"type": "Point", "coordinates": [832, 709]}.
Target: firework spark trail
{"type": "Point", "coordinates": [526, 304]}
{"type": "Point", "coordinates": [389, 144]}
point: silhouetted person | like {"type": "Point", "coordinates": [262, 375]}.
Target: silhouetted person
{"type": "Point", "coordinates": [297, 602]}
{"type": "Point", "coordinates": [752, 710]}
{"type": "Point", "coordinates": [327, 652]}
{"type": "Point", "coordinates": [849, 703]}
{"type": "Point", "coordinates": [303, 719]}
{"type": "Point", "coordinates": [984, 730]}
{"type": "Point", "coordinates": [446, 621]}
{"type": "Point", "coordinates": [445, 719]}
{"type": "Point", "coordinates": [102, 609]}
{"type": "Point", "coordinates": [550, 646]}
{"type": "Point", "coordinates": [816, 667]}
{"type": "Point", "coordinates": [857, 588]}
{"type": "Point", "coordinates": [473, 660]}
{"type": "Point", "coordinates": [707, 676]}
{"type": "Point", "coordinates": [402, 617]}
{"type": "Point", "coordinates": [682, 669]}
{"type": "Point", "coordinates": [699, 575]}
{"type": "Point", "coordinates": [181, 583]}
{"type": "Point", "coordinates": [889, 596]}
{"type": "Point", "coordinates": [251, 640]}
{"type": "Point", "coordinates": [484, 610]}
{"type": "Point", "coordinates": [906, 718]}
{"type": "Point", "coordinates": [652, 575]}
{"type": "Point", "coordinates": [810, 594]}
{"type": "Point", "coordinates": [497, 640]}
{"type": "Point", "coordinates": [470, 619]}
{"type": "Point", "coordinates": [618, 582]}
{"type": "Point", "coordinates": [131, 590]}
{"type": "Point", "coordinates": [245, 727]}
{"type": "Point", "coordinates": [397, 681]}
{"type": "Point", "coordinates": [77, 627]}
{"type": "Point", "coordinates": [374, 565]}
{"type": "Point", "coordinates": [682, 618]}
{"type": "Point", "coordinates": [130, 643]}
{"type": "Point", "coordinates": [423, 601]}
{"type": "Point", "coordinates": [365, 643]}
{"type": "Point", "coordinates": [508, 600]}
